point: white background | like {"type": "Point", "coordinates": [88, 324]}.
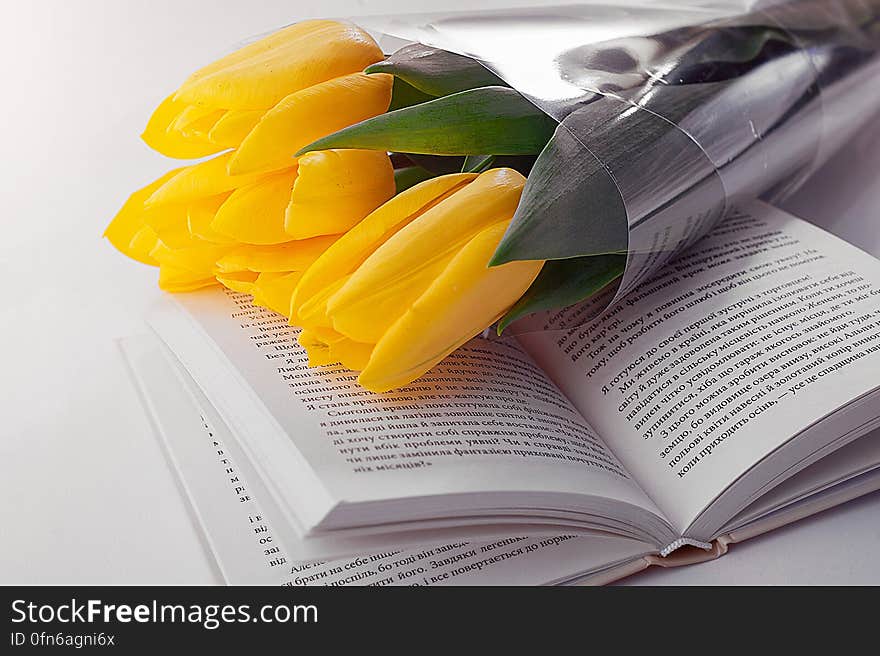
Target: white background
{"type": "Point", "coordinates": [86, 495]}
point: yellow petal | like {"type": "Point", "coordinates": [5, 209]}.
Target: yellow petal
{"type": "Point", "coordinates": [142, 243]}
{"type": "Point", "coordinates": [367, 319]}
{"type": "Point", "coordinates": [327, 347]}
{"type": "Point", "coordinates": [208, 178]}
{"type": "Point", "coordinates": [343, 257]}
{"type": "Point", "coordinates": [172, 279]}
{"type": "Point", "coordinates": [199, 259]}
{"type": "Point", "coordinates": [130, 221]}
{"type": "Point", "coordinates": [350, 354]}
{"type": "Point", "coordinates": [286, 35]}
{"type": "Point", "coordinates": [182, 270]}
{"type": "Point", "coordinates": [175, 237]}
{"type": "Point", "coordinates": [199, 215]}
{"type": "Point", "coordinates": [238, 281]}
{"type": "Point", "coordinates": [234, 126]}
{"type": "Point", "coordinates": [397, 273]}
{"type": "Point", "coordinates": [292, 256]}
{"type": "Point", "coordinates": [260, 75]}
{"type": "Point", "coordinates": [327, 335]}
{"type": "Point", "coordinates": [313, 313]}
{"type": "Point", "coordinates": [307, 115]}
{"type": "Point", "coordinates": [199, 128]}
{"type": "Point", "coordinates": [317, 350]}
{"type": "Point", "coordinates": [465, 300]}
{"type": "Point", "coordinates": [335, 189]}
{"type": "Point", "coordinates": [254, 214]}
{"type": "Point", "coordinates": [170, 224]}
{"type": "Point", "coordinates": [159, 137]}
{"type": "Point", "coordinates": [192, 114]}
{"type": "Point", "coordinates": [274, 291]}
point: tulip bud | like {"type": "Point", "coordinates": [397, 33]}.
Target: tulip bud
{"type": "Point", "coordinates": [308, 115]}
{"type": "Point", "coordinates": [203, 226]}
{"type": "Point", "coordinates": [464, 300]}
{"type": "Point", "coordinates": [251, 218]}
{"type": "Point", "coordinates": [411, 282]}
{"type": "Point", "coordinates": [333, 268]}
{"type": "Point", "coordinates": [299, 79]}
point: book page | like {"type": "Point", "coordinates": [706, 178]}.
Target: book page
{"type": "Point", "coordinates": [485, 422]}
{"type": "Point", "coordinates": [853, 460]}
{"type": "Point", "coordinates": [757, 332]}
{"type": "Point", "coordinates": [241, 523]}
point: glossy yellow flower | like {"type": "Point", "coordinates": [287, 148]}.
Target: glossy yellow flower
{"type": "Point", "coordinates": [308, 115]}
{"type": "Point", "coordinates": [202, 226]}
{"type": "Point", "coordinates": [327, 192]}
{"type": "Point", "coordinates": [186, 261]}
{"type": "Point", "coordinates": [386, 285]}
{"type": "Point", "coordinates": [252, 217]}
{"type": "Point", "coordinates": [335, 189]}
{"type": "Point", "coordinates": [410, 283]}
{"type": "Point", "coordinates": [294, 74]}
{"type": "Point", "coordinates": [334, 267]}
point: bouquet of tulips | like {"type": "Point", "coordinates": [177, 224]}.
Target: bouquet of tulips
{"type": "Point", "coordinates": [394, 207]}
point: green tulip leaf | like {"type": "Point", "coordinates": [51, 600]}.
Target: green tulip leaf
{"type": "Point", "coordinates": [410, 176]}
{"type": "Point", "coordinates": [565, 282]}
{"type": "Point", "coordinates": [404, 94]}
{"type": "Point", "coordinates": [570, 206]}
{"type": "Point", "coordinates": [477, 163]}
{"type": "Point", "coordinates": [436, 72]}
{"type": "Point", "coordinates": [494, 120]}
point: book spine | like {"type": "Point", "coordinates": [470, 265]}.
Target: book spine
{"type": "Point", "coordinates": [682, 542]}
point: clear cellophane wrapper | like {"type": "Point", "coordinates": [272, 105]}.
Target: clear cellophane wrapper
{"type": "Point", "coordinates": [675, 112]}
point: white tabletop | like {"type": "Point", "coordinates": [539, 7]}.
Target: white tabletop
{"type": "Point", "coordinates": [87, 495]}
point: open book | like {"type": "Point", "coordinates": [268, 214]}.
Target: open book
{"type": "Point", "coordinates": [734, 392]}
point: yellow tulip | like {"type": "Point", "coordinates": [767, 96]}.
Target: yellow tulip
{"type": "Point", "coordinates": [411, 283]}
{"type": "Point", "coordinates": [464, 300]}
{"type": "Point", "coordinates": [159, 235]}
{"type": "Point", "coordinates": [403, 267]}
{"type": "Point", "coordinates": [301, 55]}
{"type": "Point", "coordinates": [331, 270]}
{"type": "Point", "coordinates": [256, 217]}
{"type": "Point", "coordinates": [327, 193]}
{"type": "Point", "coordinates": [201, 225]}
{"type": "Point", "coordinates": [220, 104]}
{"type": "Point", "coordinates": [159, 136]}
{"type": "Point", "coordinates": [254, 213]}
{"type": "Point", "coordinates": [307, 115]}
{"type": "Point", "coordinates": [335, 189]}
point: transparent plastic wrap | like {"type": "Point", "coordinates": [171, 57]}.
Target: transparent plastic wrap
{"type": "Point", "coordinates": [672, 113]}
